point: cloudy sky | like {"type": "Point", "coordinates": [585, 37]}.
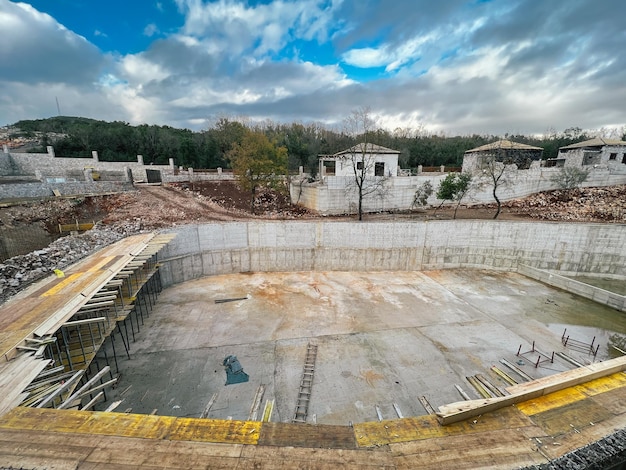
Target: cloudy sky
{"type": "Point", "coordinates": [456, 66]}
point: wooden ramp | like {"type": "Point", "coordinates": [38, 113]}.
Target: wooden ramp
{"type": "Point", "coordinates": [79, 308]}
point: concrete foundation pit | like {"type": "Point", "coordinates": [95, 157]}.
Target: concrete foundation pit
{"type": "Point", "coordinates": [385, 339]}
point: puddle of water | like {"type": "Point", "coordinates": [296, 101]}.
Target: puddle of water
{"type": "Point", "coordinates": [585, 320]}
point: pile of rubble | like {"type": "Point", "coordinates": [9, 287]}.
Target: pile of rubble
{"type": "Point", "coordinates": [20, 271]}
{"type": "Point", "coordinates": [607, 204]}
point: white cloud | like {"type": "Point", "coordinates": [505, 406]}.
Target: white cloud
{"type": "Point", "coordinates": [451, 65]}
{"type": "Point", "coordinates": [150, 30]}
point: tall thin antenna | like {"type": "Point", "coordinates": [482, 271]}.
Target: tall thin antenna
{"type": "Point", "coordinates": [58, 107]}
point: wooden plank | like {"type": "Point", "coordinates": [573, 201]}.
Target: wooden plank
{"type": "Point", "coordinates": [460, 411]}
{"type": "Point", "coordinates": [207, 408]}
{"type": "Point", "coordinates": [490, 449]}
{"type": "Point", "coordinates": [85, 321]}
{"type": "Point", "coordinates": [306, 435]}
{"type": "Point", "coordinates": [572, 417]}
{"type": "Point", "coordinates": [15, 377]}
{"type": "Point", "coordinates": [215, 430]}
{"type": "Point", "coordinates": [273, 458]}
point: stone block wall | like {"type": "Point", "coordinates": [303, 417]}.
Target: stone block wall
{"type": "Point", "coordinates": [224, 248]}
{"type": "Point", "coordinates": [331, 198]}
{"type": "Point", "coordinates": [43, 189]}
{"type": "Point", "coordinates": [48, 163]}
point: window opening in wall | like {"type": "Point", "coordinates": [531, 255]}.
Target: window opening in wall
{"type": "Point", "coordinates": [359, 165]}
{"type": "Point", "coordinates": [613, 156]}
{"type": "Point", "coordinates": [591, 158]}
{"type": "Point", "coordinates": [624, 158]}
{"type": "Point", "coordinates": [379, 169]}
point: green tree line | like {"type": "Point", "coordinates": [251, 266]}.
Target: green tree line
{"type": "Point", "coordinates": [209, 148]}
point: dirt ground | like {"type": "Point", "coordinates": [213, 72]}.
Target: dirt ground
{"type": "Point", "coordinates": [153, 207]}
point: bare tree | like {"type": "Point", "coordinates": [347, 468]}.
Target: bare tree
{"type": "Point", "coordinates": [499, 175]}
{"type": "Point", "coordinates": [366, 178]}
{"type": "Point", "coordinates": [570, 177]}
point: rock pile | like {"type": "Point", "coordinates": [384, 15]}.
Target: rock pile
{"type": "Point", "coordinates": [18, 272]}
{"type": "Point", "coordinates": [606, 204]}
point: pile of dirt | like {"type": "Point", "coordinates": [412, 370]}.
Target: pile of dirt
{"type": "Point", "coordinates": [228, 195]}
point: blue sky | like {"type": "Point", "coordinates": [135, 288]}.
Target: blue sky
{"type": "Point", "coordinates": [451, 66]}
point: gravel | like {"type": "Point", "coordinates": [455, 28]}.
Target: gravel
{"type": "Point", "coordinates": [19, 272]}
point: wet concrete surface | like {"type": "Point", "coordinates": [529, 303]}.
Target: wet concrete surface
{"type": "Point", "coordinates": [618, 286]}
{"type": "Point", "coordinates": [383, 338]}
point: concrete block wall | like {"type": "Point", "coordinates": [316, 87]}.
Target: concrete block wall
{"type": "Point", "coordinates": [42, 189]}
{"type": "Point", "coordinates": [31, 163]}
{"type": "Point", "coordinates": [331, 198]}
{"type": "Point", "coordinates": [596, 294]}
{"type": "Point", "coordinates": [224, 248]}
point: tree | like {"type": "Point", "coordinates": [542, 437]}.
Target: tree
{"type": "Point", "coordinates": [498, 175]}
{"type": "Point", "coordinates": [257, 162]}
{"type": "Point", "coordinates": [453, 188]}
{"type": "Point", "coordinates": [422, 194]}
{"type": "Point", "coordinates": [570, 177]}
{"type": "Point", "coordinates": [362, 159]}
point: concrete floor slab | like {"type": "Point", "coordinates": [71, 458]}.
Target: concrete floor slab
{"type": "Point", "coordinates": [384, 339]}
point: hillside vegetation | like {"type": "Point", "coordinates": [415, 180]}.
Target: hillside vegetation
{"type": "Point", "coordinates": [119, 141]}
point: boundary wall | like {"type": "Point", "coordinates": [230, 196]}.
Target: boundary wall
{"type": "Point", "coordinates": [234, 247]}
{"type": "Point", "coordinates": [335, 194]}
{"type": "Point", "coordinates": [588, 291]}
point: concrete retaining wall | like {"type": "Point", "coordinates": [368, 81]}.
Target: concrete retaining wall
{"type": "Point", "coordinates": [596, 294]}
{"type": "Point", "coordinates": [223, 248]}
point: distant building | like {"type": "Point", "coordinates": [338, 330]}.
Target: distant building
{"type": "Point", "coordinates": [594, 152]}
{"type": "Point", "coordinates": [379, 161]}
{"type": "Point", "coordinates": [504, 151]}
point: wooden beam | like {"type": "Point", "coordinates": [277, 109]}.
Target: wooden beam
{"type": "Point", "coordinates": [85, 321]}
{"type": "Point", "coordinates": [460, 411]}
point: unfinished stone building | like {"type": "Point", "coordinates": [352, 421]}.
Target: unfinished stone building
{"type": "Point", "coordinates": [609, 153]}
{"type": "Point", "coordinates": [503, 151]}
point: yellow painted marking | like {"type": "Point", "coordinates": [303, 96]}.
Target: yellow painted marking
{"type": "Point", "coordinates": [572, 394]}
{"type": "Point", "coordinates": [61, 285]}
{"type": "Point", "coordinates": [216, 430]}
{"type": "Point", "coordinates": [132, 425]}
{"type": "Point", "coordinates": [550, 401]}
{"type": "Point", "coordinates": [603, 384]}
{"type": "Point", "coordinates": [128, 425]}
